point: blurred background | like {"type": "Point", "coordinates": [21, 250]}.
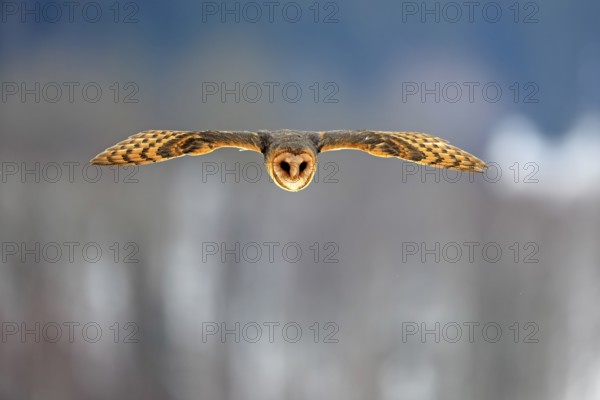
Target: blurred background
{"type": "Point", "coordinates": [200, 279]}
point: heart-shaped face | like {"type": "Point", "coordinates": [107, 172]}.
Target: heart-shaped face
{"type": "Point", "coordinates": [292, 171]}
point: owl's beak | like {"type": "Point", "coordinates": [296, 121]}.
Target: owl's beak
{"type": "Point", "coordinates": [294, 171]}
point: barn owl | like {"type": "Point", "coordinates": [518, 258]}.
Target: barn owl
{"type": "Point", "coordinates": [290, 155]}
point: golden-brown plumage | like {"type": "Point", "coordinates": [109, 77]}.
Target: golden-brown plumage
{"type": "Point", "coordinates": [417, 147]}
{"type": "Point", "coordinates": [154, 146]}
{"type": "Point", "coordinates": [290, 156]}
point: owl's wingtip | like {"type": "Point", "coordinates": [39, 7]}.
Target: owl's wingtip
{"type": "Point", "coordinates": [481, 168]}
{"type": "Point", "coordinates": [99, 160]}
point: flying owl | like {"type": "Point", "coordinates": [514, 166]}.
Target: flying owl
{"type": "Point", "coordinates": [290, 156]}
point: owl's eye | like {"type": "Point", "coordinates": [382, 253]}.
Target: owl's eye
{"type": "Point", "coordinates": [303, 166]}
{"type": "Point", "coordinates": [285, 166]}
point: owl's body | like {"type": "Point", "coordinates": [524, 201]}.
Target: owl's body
{"type": "Point", "coordinates": [290, 156]}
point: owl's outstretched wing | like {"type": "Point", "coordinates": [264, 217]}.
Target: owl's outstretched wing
{"type": "Point", "coordinates": [417, 147]}
{"type": "Point", "coordinates": [155, 146]}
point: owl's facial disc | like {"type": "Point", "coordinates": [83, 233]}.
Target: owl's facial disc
{"type": "Point", "coordinates": [292, 171]}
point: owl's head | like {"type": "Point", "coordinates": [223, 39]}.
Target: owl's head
{"type": "Point", "coordinates": [292, 169]}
